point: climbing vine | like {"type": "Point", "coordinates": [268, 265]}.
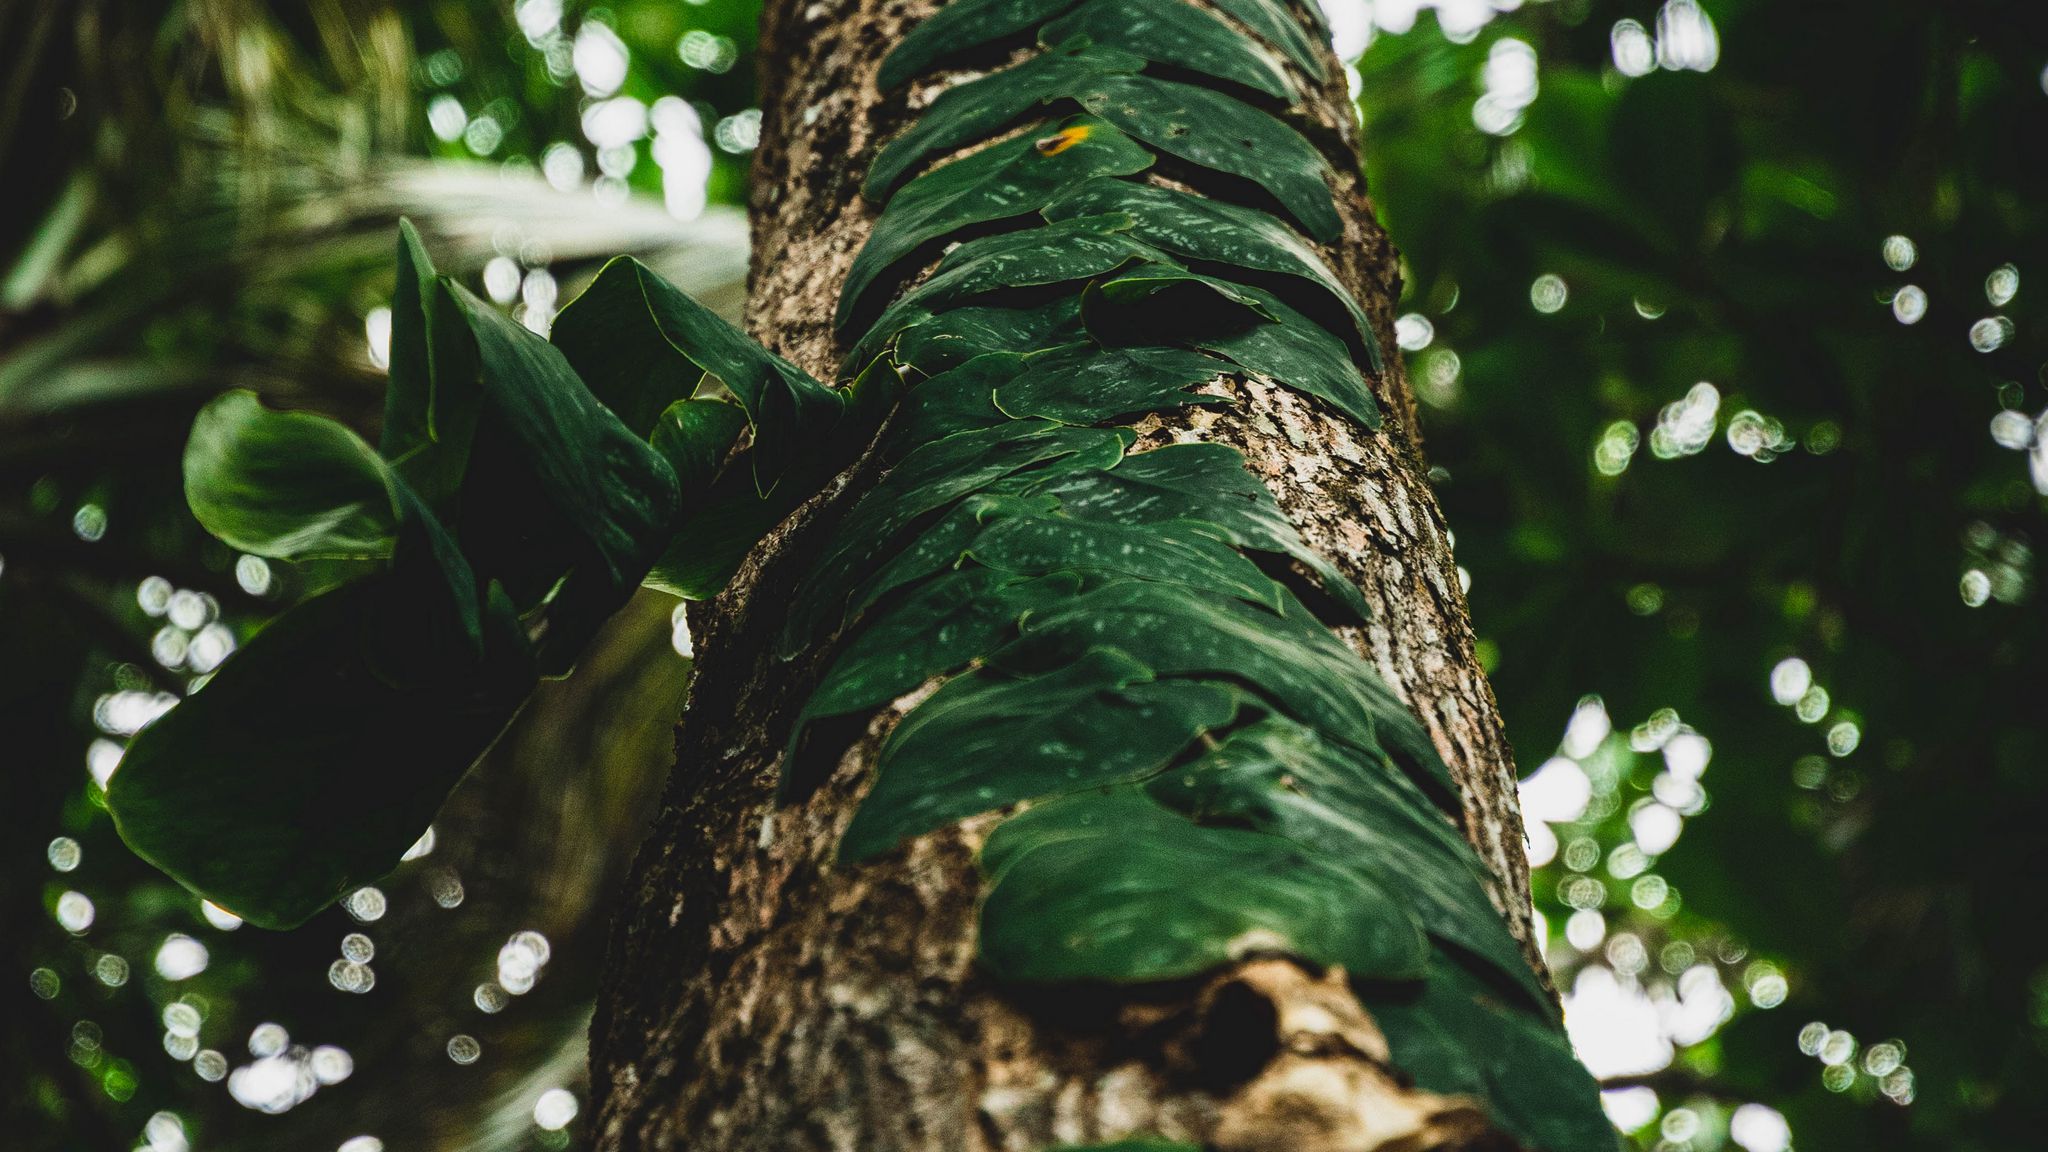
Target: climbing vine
{"type": "Point", "coordinates": [1132, 650]}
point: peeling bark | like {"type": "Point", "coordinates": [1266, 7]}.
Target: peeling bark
{"type": "Point", "coordinates": [762, 997]}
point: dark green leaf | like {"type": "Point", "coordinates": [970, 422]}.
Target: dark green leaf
{"type": "Point", "coordinates": [1223, 133]}
{"type": "Point", "coordinates": [288, 485]}
{"type": "Point", "coordinates": [1051, 254]}
{"type": "Point", "coordinates": [1087, 384]}
{"type": "Point", "coordinates": [985, 741]}
{"type": "Point", "coordinates": [1278, 776]}
{"type": "Point", "coordinates": [1199, 228]}
{"type": "Point", "coordinates": [979, 109]}
{"type": "Point", "coordinates": [960, 334]}
{"type": "Point", "coordinates": [960, 27]}
{"type": "Point", "coordinates": [694, 437]}
{"type": "Point", "coordinates": [1287, 658]}
{"type": "Point", "coordinates": [927, 481]}
{"type": "Point", "coordinates": [1108, 885]}
{"type": "Point", "coordinates": [432, 398]}
{"type": "Point", "coordinates": [1175, 33]}
{"type": "Point", "coordinates": [960, 399]}
{"type": "Point", "coordinates": [1158, 301]}
{"type": "Point", "coordinates": [1004, 180]}
{"type": "Point", "coordinates": [301, 771]}
{"type": "Point", "coordinates": [557, 485]}
{"type": "Point", "coordinates": [1194, 482]}
{"type": "Point", "coordinates": [641, 344]}
{"type": "Point", "coordinates": [1455, 1036]}
{"type": "Point", "coordinates": [1277, 23]}
{"type": "Point", "coordinates": [939, 628]}
{"type": "Point", "coordinates": [1168, 552]}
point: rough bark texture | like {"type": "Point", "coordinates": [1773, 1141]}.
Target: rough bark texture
{"type": "Point", "coordinates": [761, 997]}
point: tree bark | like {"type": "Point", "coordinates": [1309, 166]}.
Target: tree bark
{"type": "Point", "coordinates": [762, 996]}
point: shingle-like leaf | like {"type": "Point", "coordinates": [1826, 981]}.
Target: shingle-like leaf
{"type": "Point", "coordinates": [1004, 180]}
{"type": "Point", "coordinates": [985, 741]}
{"type": "Point", "coordinates": [962, 26]}
{"type": "Point", "coordinates": [288, 485]}
{"type": "Point", "coordinates": [960, 334]}
{"type": "Point", "coordinates": [959, 399]}
{"type": "Point", "coordinates": [1198, 228]}
{"type": "Point", "coordinates": [1256, 331]}
{"type": "Point", "coordinates": [937, 629]}
{"type": "Point", "coordinates": [1276, 22]}
{"type": "Point", "coordinates": [1073, 249]}
{"type": "Point", "coordinates": [1165, 552]}
{"type": "Point", "coordinates": [930, 479]}
{"type": "Point", "coordinates": [1086, 383]}
{"type": "Point", "coordinates": [1176, 33]}
{"type": "Point", "coordinates": [1288, 658]}
{"type": "Point", "coordinates": [1207, 483]}
{"type": "Point", "coordinates": [1109, 885]}
{"type": "Point", "coordinates": [1278, 776]}
{"type": "Point", "coordinates": [980, 108]}
{"type": "Point", "coordinates": [1456, 1036]}
{"type": "Point", "coordinates": [1220, 132]}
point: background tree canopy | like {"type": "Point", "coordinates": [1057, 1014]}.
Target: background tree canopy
{"type": "Point", "coordinates": [1718, 315]}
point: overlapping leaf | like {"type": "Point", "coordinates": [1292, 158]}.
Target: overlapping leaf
{"type": "Point", "coordinates": [961, 27]}
{"type": "Point", "coordinates": [1217, 232]}
{"type": "Point", "coordinates": [1222, 133]}
{"type": "Point", "coordinates": [1175, 33]}
{"type": "Point", "coordinates": [1004, 180]}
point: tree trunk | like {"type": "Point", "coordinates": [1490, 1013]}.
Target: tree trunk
{"type": "Point", "coordinates": [761, 995]}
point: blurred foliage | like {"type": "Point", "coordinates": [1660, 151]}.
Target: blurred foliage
{"type": "Point", "coordinates": [1694, 423]}
{"type": "Point", "coordinates": [1719, 318]}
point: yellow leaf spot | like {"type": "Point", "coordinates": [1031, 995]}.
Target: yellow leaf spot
{"type": "Point", "coordinates": [1062, 140]}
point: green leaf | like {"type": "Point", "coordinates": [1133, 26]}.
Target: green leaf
{"type": "Point", "coordinates": [959, 399]}
{"type": "Point", "coordinates": [944, 544]}
{"type": "Point", "coordinates": [641, 344]}
{"type": "Point", "coordinates": [960, 334]}
{"type": "Point", "coordinates": [1175, 33]}
{"type": "Point", "coordinates": [1286, 658]}
{"type": "Point", "coordinates": [1004, 180]}
{"type": "Point", "coordinates": [1278, 776]}
{"type": "Point", "coordinates": [959, 27]}
{"type": "Point", "coordinates": [926, 481]}
{"type": "Point", "coordinates": [985, 741]}
{"type": "Point", "coordinates": [1205, 483]}
{"type": "Point", "coordinates": [1225, 134]}
{"type": "Point", "coordinates": [961, 614]}
{"type": "Point", "coordinates": [1198, 228]}
{"type": "Point", "coordinates": [1108, 885]}
{"type": "Point", "coordinates": [1454, 1036]}
{"type": "Point", "coordinates": [557, 485]}
{"type": "Point", "coordinates": [1087, 384]}
{"type": "Point", "coordinates": [979, 109]}
{"type": "Point", "coordinates": [694, 437]}
{"type": "Point", "coordinates": [432, 398]}
{"type": "Point", "coordinates": [1277, 23]}
{"type": "Point", "coordinates": [1163, 552]}
{"type": "Point", "coordinates": [288, 485]}
{"type": "Point", "coordinates": [938, 628]}
{"type": "Point", "coordinates": [1249, 326]}
{"type": "Point", "coordinates": [301, 770]}
{"type": "Point", "coordinates": [1034, 257]}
